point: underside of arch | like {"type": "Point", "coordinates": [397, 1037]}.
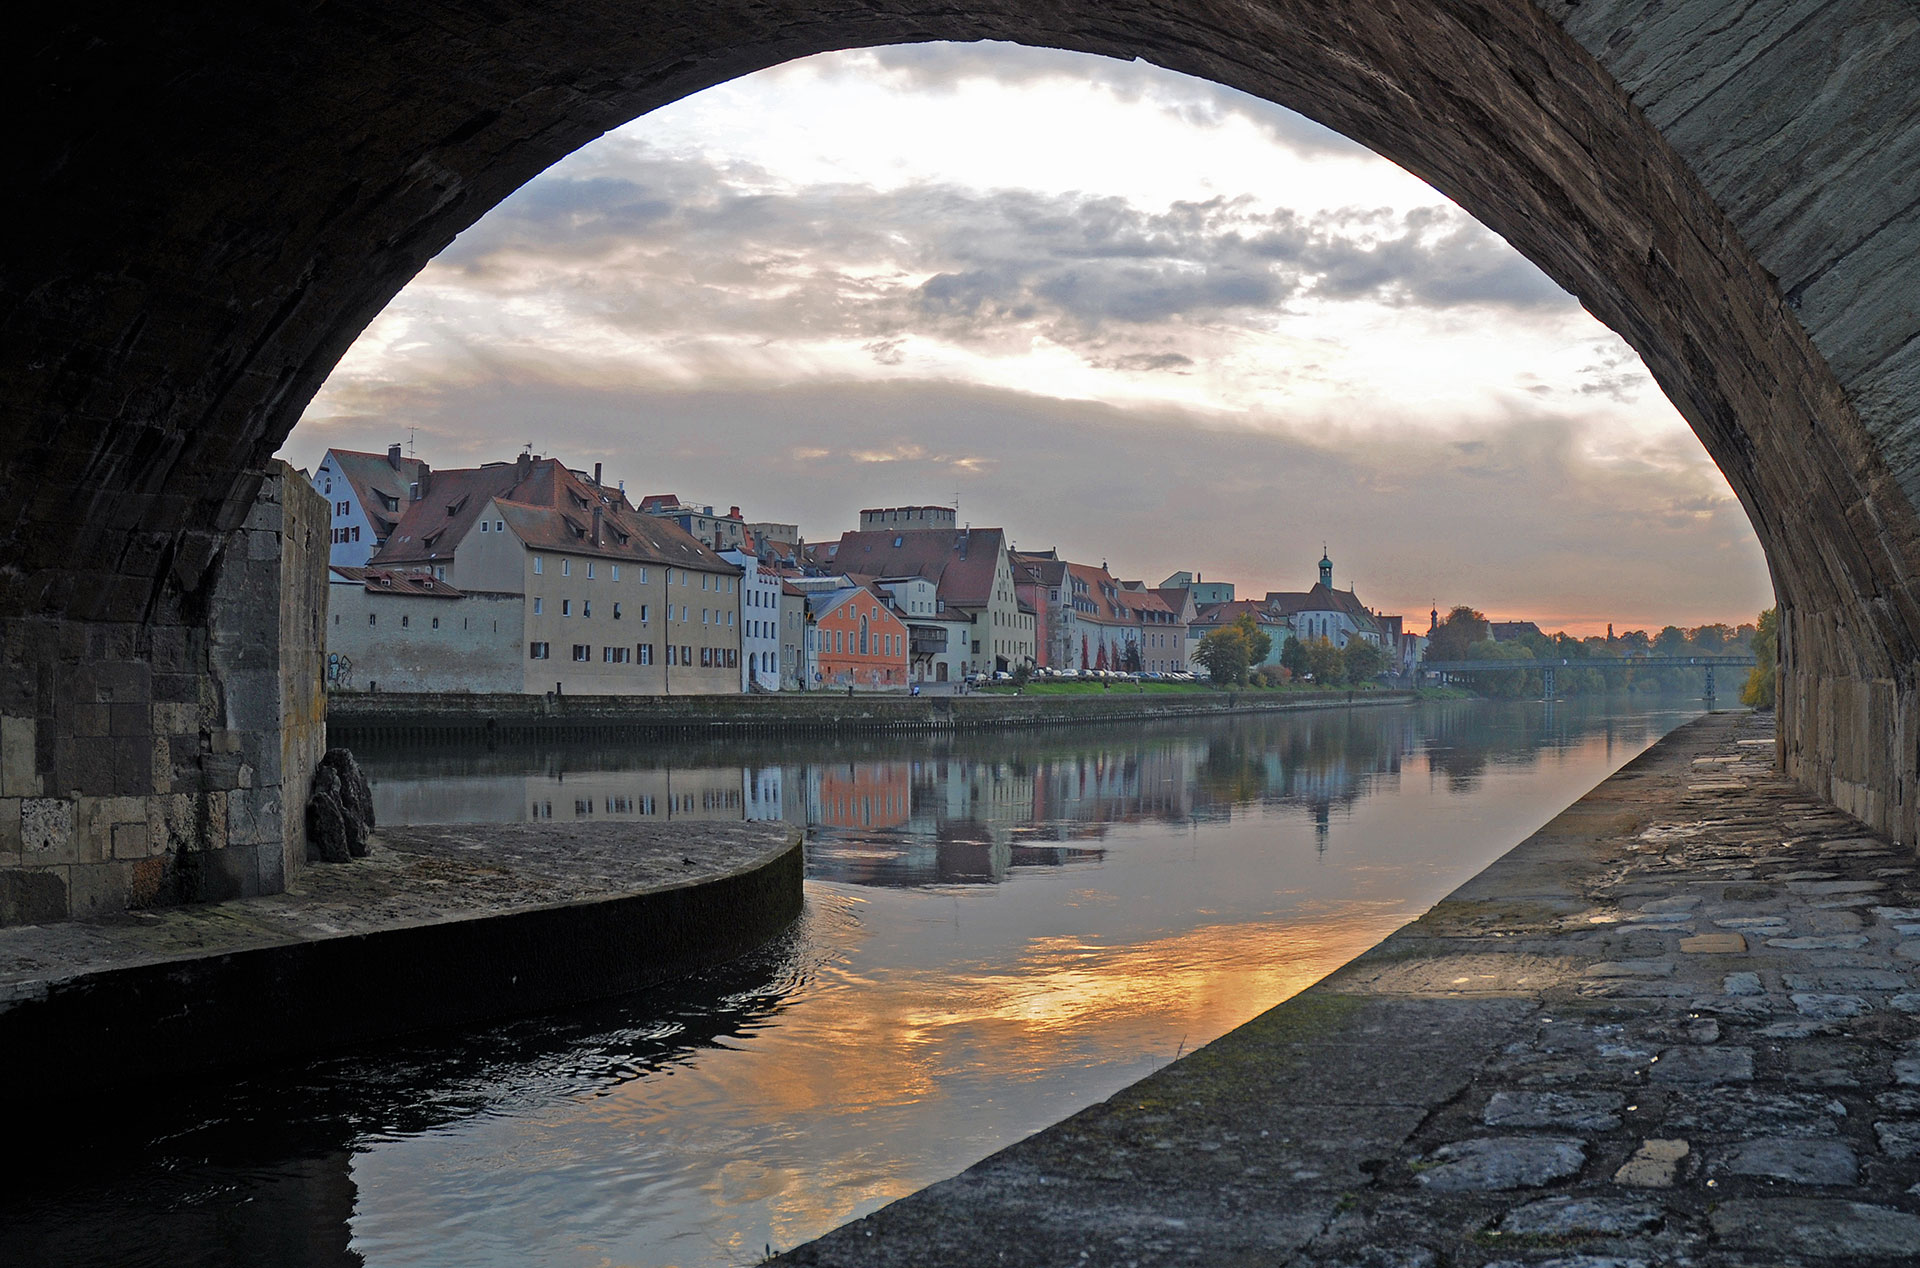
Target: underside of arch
{"type": "Point", "coordinates": [219, 201]}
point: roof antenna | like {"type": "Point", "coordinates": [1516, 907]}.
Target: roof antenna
{"type": "Point", "coordinates": [410, 442]}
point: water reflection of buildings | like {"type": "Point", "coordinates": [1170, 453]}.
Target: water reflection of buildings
{"type": "Point", "coordinates": [972, 808]}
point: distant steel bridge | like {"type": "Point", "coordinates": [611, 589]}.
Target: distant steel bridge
{"type": "Point", "coordinates": [1546, 666]}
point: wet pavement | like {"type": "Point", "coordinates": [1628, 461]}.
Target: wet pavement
{"type": "Point", "coordinates": [1678, 1025]}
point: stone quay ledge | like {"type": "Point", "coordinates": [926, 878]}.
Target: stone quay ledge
{"type": "Point", "coordinates": [437, 926]}
{"type": "Point", "coordinates": [1680, 1024]}
{"type": "Point", "coordinates": [358, 717]}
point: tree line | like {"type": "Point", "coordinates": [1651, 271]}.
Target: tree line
{"type": "Point", "coordinates": [1465, 634]}
{"type": "Point", "coordinates": [1235, 654]}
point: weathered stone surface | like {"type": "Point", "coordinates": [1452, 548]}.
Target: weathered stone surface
{"type": "Point", "coordinates": [1502, 1162]}
{"type": "Point", "coordinates": [1742, 1111]}
{"type": "Point", "coordinates": [1574, 1111]}
{"type": "Point", "coordinates": [1801, 1160]}
{"type": "Point", "coordinates": [1829, 1007]}
{"type": "Point", "coordinates": [1828, 942]}
{"type": "Point", "coordinates": [1742, 984]}
{"type": "Point", "coordinates": [1845, 980]}
{"type": "Point", "coordinates": [1581, 1216]}
{"type": "Point", "coordinates": [1822, 1228]}
{"type": "Point", "coordinates": [1714, 944]}
{"type": "Point", "coordinates": [1899, 1140]}
{"type": "Point", "coordinates": [1703, 1067]}
{"type": "Point", "coordinates": [1654, 1165]}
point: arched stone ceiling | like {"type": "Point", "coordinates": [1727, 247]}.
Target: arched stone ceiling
{"type": "Point", "coordinates": [217, 198]}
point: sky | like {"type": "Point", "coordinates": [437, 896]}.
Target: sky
{"type": "Point", "coordinates": [1135, 316]}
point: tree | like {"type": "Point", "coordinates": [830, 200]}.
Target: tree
{"type": "Point", "coordinates": [1259, 642]}
{"type": "Point", "coordinates": [1761, 683]}
{"type": "Point", "coordinates": [1671, 641]}
{"type": "Point", "coordinates": [1462, 628]}
{"type": "Point", "coordinates": [1709, 639]}
{"type": "Point", "coordinates": [1224, 653]}
{"type": "Point", "coordinates": [1635, 643]}
{"type": "Point", "coordinates": [1501, 683]}
{"type": "Point", "coordinates": [1325, 662]}
{"type": "Point", "coordinates": [1364, 660]}
{"type": "Point", "coordinates": [1293, 657]}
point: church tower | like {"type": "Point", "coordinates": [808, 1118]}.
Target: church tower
{"type": "Point", "coordinates": [1326, 568]}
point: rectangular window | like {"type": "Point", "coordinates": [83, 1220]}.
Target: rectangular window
{"type": "Point", "coordinates": [703, 581]}
{"type": "Point", "coordinates": [566, 607]}
{"type": "Point", "coordinates": [729, 620]}
{"type": "Point", "coordinates": [372, 619]}
{"type": "Point", "coordinates": [616, 572]}
{"type": "Point", "coordinates": [589, 570]}
{"type": "Point", "coordinates": [582, 651]}
{"type": "Point", "coordinates": [643, 613]}
{"type": "Point", "coordinates": [536, 651]}
{"type": "Point", "coordinates": [646, 653]}
{"type": "Point", "coordinates": [673, 657]}
{"type": "Point", "coordinates": [356, 532]}
{"type": "Point", "coordinates": [484, 527]}
{"type": "Point", "coordinates": [616, 611]}
{"type": "Point", "coordinates": [499, 526]}
{"type": "Point", "coordinates": [686, 654]}
{"type": "Point", "coordinates": [586, 609]}
{"type": "Point", "coordinates": [643, 576]}
{"type": "Point", "coordinates": [537, 606]}
{"type": "Point", "coordinates": [566, 567]}
{"type": "Point", "coordinates": [536, 565]}
{"type": "Point", "coordinates": [622, 655]}
{"type": "Point", "coordinates": [703, 616]}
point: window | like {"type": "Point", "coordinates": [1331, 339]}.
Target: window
{"type": "Point", "coordinates": [617, 655]}
{"type": "Point", "coordinates": [499, 526]}
{"type": "Point", "coordinates": [703, 616]}
{"type": "Point", "coordinates": [643, 613]}
{"type": "Point", "coordinates": [686, 654]}
{"type": "Point", "coordinates": [336, 618]}
{"type": "Point", "coordinates": [616, 572]}
{"type": "Point", "coordinates": [703, 581]}
{"type": "Point", "coordinates": [586, 609]}
{"type": "Point", "coordinates": [646, 653]}
{"type": "Point", "coordinates": [729, 620]}
{"type": "Point", "coordinates": [566, 607]}
{"type": "Point", "coordinates": [537, 606]}
{"type": "Point", "coordinates": [537, 569]}
{"type": "Point", "coordinates": [643, 576]}
{"type": "Point", "coordinates": [436, 622]}
{"type": "Point", "coordinates": [373, 618]}
{"type": "Point", "coordinates": [706, 658]}
{"type": "Point", "coordinates": [566, 567]}
{"type": "Point", "coordinates": [589, 570]}
{"type": "Point", "coordinates": [672, 655]}
{"type": "Point", "coordinates": [536, 651]}
{"type": "Point", "coordinates": [616, 611]}
{"type": "Point", "coordinates": [483, 526]}
{"type": "Point", "coordinates": [356, 532]}
{"type": "Point", "coordinates": [582, 651]}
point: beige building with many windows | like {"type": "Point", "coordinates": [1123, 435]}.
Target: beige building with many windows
{"type": "Point", "coordinates": [613, 602]}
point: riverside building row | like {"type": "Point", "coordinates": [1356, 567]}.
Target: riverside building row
{"type": "Point", "coordinates": [532, 577]}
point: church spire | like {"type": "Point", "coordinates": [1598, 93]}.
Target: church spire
{"type": "Point", "coordinates": [1326, 567]}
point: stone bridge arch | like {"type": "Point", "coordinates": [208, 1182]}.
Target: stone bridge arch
{"type": "Point", "coordinates": [216, 199]}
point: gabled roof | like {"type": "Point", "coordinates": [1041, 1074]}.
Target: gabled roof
{"type": "Point", "coordinates": [1113, 602]}
{"type": "Point", "coordinates": [1227, 613]}
{"type": "Point", "coordinates": [547, 507]}
{"type": "Point", "coordinates": [372, 474]}
{"type": "Point", "coordinates": [1322, 598]}
{"type": "Point", "coordinates": [960, 561]}
{"type": "Point", "coordinates": [395, 581]}
{"type": "Point", "coordinates": [1039, 567]}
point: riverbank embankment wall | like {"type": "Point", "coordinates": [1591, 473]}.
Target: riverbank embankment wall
{"type": "Point", "coordinates": [498, 718]}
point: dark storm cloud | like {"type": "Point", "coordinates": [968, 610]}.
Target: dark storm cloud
{"type": "Point", "coordinates": [687, 246]}
{"type": "Point", "coordinates": [938, 68]}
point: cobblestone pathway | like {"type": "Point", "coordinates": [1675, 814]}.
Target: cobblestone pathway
{"type": "Point", "coordinates": [1677, 1026]}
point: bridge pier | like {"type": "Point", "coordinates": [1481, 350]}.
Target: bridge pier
{"type": "Point", "coordinates": [163, 755]}
{"type": "Point", "coordinates": [1546, 683]}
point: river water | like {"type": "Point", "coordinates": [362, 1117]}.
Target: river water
{"type": "Point", "coordinates": [999, 930]}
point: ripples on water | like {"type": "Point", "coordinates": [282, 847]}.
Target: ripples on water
{"type": "Point", "coordinates": [999, 930]}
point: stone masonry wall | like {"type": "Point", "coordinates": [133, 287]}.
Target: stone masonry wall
{"type": "Point", "coordinates": [145, 762]}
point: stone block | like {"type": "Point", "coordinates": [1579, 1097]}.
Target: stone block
{"type": "Point", "coordinates": [31, 896]}
{"type": "Point", "coordinates": [18, 767]}
{"type": "Point", "coordinates": [1654, 1165]}
{"type": "Point", "coordinates": [174, 718]}
{"type": "Point", "coordinates": [131, 717]}
{"type": "Point", "coordinates": [97, 889]}
{"type": "Point", "coordinates": [9, 825]}
{"type": "Point", "coordinates": [131, 841]}
{"type": "Point", "coordinates": [233, 872]}
{"type": "Point", "coordinates": [253, 816]}
{"type": "Point", "coordinates": [46, 829]}
{"type": "Point", "coordinates": [1501, 1162]}
{"type": "Point", "coordinates": [1714, 944]}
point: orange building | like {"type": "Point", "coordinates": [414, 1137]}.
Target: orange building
{"type": "Point", "coordinates": [861, 640]}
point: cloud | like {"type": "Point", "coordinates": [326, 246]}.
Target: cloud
{"type": "Point", "coordinates": [1198, 103]}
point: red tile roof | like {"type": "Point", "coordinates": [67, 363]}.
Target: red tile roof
{"type": "Point", "coordinates": [396, 581]}
{"type": "Point", "coordinates": [549, 507]}
{"type": "Point", "coordinates": [961, 562]}
{"type": "Point", "coordinates": [373, 475]}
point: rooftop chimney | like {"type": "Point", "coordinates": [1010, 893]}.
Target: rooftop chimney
{"type": "Point", "coordinates": [523, 466]}
{"type": "Point", "coordinates": [426, 479]}
{"type": "Point", "coordinates": [596, 475]}
{"type": "Point", "coordinates": [734, 513]}
{"type": "Point", "coordinates": [393, 456]}
{"type": "Point", "coordinates": [596, 521]}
